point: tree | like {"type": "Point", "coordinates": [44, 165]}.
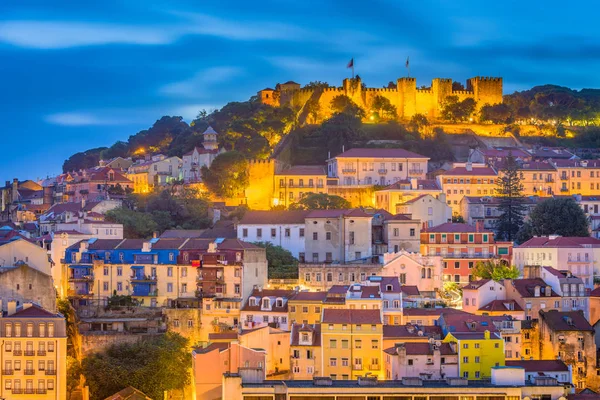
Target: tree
{"type": "Point", "coordinates": [497, 113]}
{"type": "Point", "coordinates": [512, 203]}
{"type": "Point", "coordinates": [320, 201]}
{"type": "Point", "coordinates": [281, 261]}
{"type": "Point", "coordinates": [341, 130]}
{"type": "Point", "coordinates": [455, 110]}
{"type": "Point", "coordinates": [457, 86]}
{"type": "Point", "coordinates": [316, 85]}
{"type": "Point", "coordinates": [227, 175]}
{"type": "Point", "coordinates": [313, 109]}
{"type": "Point", "coordinates": [343, 104]}
{"type": "Point", "coordinates": [495, 270]}
{"type": "Point", "coordinates": [135, 224]}
{"type": "Point", "coordinates": [557, 216]}
{"type": "Point", "coordinates": [152, 365]}
{"type": "Point", "coordinates": [418, 122]}
{"type": "Point", "coordinates": [383, 108]}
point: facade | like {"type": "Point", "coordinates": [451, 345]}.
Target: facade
{"type": "Point", "coordinates": [461, 246]}
{"type": "Point", "coordinates": [351, 344]}
{"type": "Point", "coordinates": [293, 183]}
{"type": "Point", "coordinates": [427, 209]}
{"type": "Point", "coordinates": [67, 215]}
{"type": "Point", "coordinates": [477, 294]}
{"type": "Point", "coordinates": [578, 255]}
{"type": "Point", "coordinates": [414, 269]}
{"type": "Point", "coordinates": [478, 353]}
{"type": "Point", "coordinates": [266, 308]}
{"type": "Point", "coordinates": [22, 283]}
{"type": "Point", "coordinates": [93, 184]}
{"type": "Point", "coordinates": [376, 166]}
{"type": "Point", "coordinates": [305, 307]}
{"type": "Point", "coordinates": [486, 209]}
{"type": "Point", "coordinates": [34, 361]}
{"type": "Point", "coordinates": [305, 351]}
{"type": "Point", "coordinates": [21, 251]}
{"type": "Point", "coordinates": [199, 157]}
{"type": "Point", "coordinates": [400, 192]}
{"type": "Point", "coordinates": [539, 178]}
{"type": "Point", "coordinates": [497, 155]}
{"type": "Point", "coordinates": [321, 277]}
{"type": "Point", "coordinates": [467, 179]}
{"type": "Point", "coordinates": [401, 232]}
{"type": "Point", "coordinates": [405, 95]}
{"type": "Point", "coordinates": [156, 171]}
{"type": "Point", "coordinates": [532, 295]}
{"type": "Point", "coordinates": [431, 360]}
{"type": "Point", "coordinates": [556, 369]}
{"type": "Point", "coordinates": [578, 177]}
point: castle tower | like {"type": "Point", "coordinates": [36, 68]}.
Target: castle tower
{"type": "Point", "coordinates": [486, 90]}
{"type": "Point", "coordinates": [441, 88]}
{"type": "Point", "coordinates": [407, 92]}
{"type": "Point", "coordinates": [210, 139]}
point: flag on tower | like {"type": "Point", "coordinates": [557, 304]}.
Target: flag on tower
{"type": "Point", "coordinates": [408, 66]}
{"type": "Point", "coordinates": [350, 63]}
{"type": "Point", "coordinates": [406, 62]}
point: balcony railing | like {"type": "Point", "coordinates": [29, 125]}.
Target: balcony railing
{"type": "Point", "coordinates": [29, 353]}
{"type": "Point", "coordinates": [374, 367]}
{"type": "Point", "coordinates": [415, 172]}
{"type": "Point", "coordinates": [40, 391]}
{"type": "Point", "coordinates": [78, 293]}
{"type": "Point", "coordinates": [357, 367]}
{"type": "Point", "coordinates": [29, 372]}
{"type": "Point", "coordinates": [465, 255]}
{"type": "Point", "coordinates": [146, 278]}
{"type": "Point", "coordinates": [50, 372]}
{"type": "Point", "coordinates": [41, 352]}
{"type": "Point", "coordinates": [152, 293]}
{"type": "Point", "coordinates": [349, 171]}
{"type": "Point", "coordinates": [564, 177]}
{"type": "Point", "coordinates": [563, 189]}
{"type": "Point", "coordinates": [8, 372]}
{"type": "Point", "coordinates": [549, 180]}
{"type": "Point", "coordinates": [382, 171]}
{"type": "Point", "coordinates": [17, 391]}
{"type": "Point", "coordinates": [17, 352]}
{"type": "Point", "coordinates": [82, 278]}
{"type": "Point", "coordinates": [29, 391]}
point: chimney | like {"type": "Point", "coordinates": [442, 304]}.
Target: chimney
{"type": "Point", "coordinates": [15, 190]}
{"type": "Point", "coordinates": [12, 307]}
{"type": "Point", "coordinates": [469, 166]}
{"type": "Point", "coordinates": [155, 234]}
{"type": "Point", "coordinates": [212, 247]}
{"type": "Point", "coordinates": [82, 203]}
{"type": "Point", "coordinates": [487, 334]}
{"type": "Point", "coordinates": [414, 183]}
{"type": "Point", "coordinates": [479, 225]}
{"type": "Point", "coordinates": [27, 305]}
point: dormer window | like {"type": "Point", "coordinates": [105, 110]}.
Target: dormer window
{"type": "Point", "coordinates": [279, 303]}
{"type": "Point", "coordinates": [388, 288]}
{"type": "Point", "coordinates": [252, 302]}
{"type": "Point", "coordinates": [266, 303]}
{"type": "Point", "coordinates": [305, 338]}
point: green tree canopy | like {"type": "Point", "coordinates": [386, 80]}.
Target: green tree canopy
{"type": "Point", "coordinates": [316, 85]}
{"type": "Point", "coordinates": [282, 264]}
{"type": "Point", "coordinates": [556, 216]}
{"type": "Point", "coordinates": [227, 175]}
{"type": "Point", "coordinates": [343, 104]}
{"type": "Point", "coordinates": [495, 270]}
{"type": "Point", "coordinates": [418, 122]}
{"type": "Point", "coordinates": [512, 203]}
{"type": "Point", "coordinates": [341, 130]}
{"type": "Point", "coordinates": [320, 201]}
{"type": "Point", "coordinates": [455, 110]}
{"type": "Point", "coordinates": [497, 113]}
{"type": "Point", "coordinates": [135, 224]}
{"type": "Point", "coordinates": [152, 365]}
{"type": "Point", "coordinates": [382, 108]}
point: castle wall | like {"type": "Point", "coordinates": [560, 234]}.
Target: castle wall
{"type": "Point", "coordinates": [327, 95]}
{"type": "Point", "coordinates": [425, 103]}
{"type": "Point", "coordinates": [392, 95]}
{"type": "Point", "coordinates": [407, 90]}
{"type": "Point", "coordinates": [262, 180]}
{"type": "Point", "coordinates": [487, 90]}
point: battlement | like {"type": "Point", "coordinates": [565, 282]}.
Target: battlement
{"type": "Point", "coordinates": [488, 78]}
{"type": "Point", "coordinates": [465, 92]}
{"type": "Point", "coordinates": [407, 79]}
{"type": "Point", "coordinates": [381, 90]}
{"type": "Point", "coordinates": [424, 90]}
{"type": "Point", "coordinates": [443, 80]}
{"type": "Point", "coordinates": [264, 162]}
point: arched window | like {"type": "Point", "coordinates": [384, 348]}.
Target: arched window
{"type": "Point", "coordinates": [386, 304]}
{"type": "Point", "coordinates": [422, 272]}
{"type": "Point", "coordinates": [396, 303]}
{"type": "Point", "coordinates": [429, 273]}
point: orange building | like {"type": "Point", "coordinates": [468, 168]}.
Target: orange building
{"type": "Point", "coordinates": [467, 179]}
{"type": "Point", "coordinates": [577, 177]}
{"type": "Point", "coordinates": [461, 246]}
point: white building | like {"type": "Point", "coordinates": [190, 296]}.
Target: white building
{"type": "Point", "coordinates": [194, 160]}
{"type": "Point", "coordinates": [266, 308]}
{"type": "Point", "coordinates": [400, 192]}
{"type": "Point", "coordinates": [427, 209]}
{"type": "Point", "coordinates": [376, 166]}
{"type": "Point", "coordinates": [480, 293]}
{"type": "Point", "coordinates": [425, 272]}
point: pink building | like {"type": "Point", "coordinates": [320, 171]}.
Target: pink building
{"type": "Point", "coordinates": [210, 363]}
{"type": "Point", "coordinates": [93, 184]}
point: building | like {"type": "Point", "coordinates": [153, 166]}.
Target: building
{"type": "Point", "coordinates": [478, 353]}
{"type": "Point", "coordinates": [461, 246]}
{"type": "Point", "coordinates": [495, 155]}
{"type": "Point", "coordinates": [579, 255]}
{"type": "Point", "coordinates": [487, 209]}
{"type": "Point", "coordinates": [376, 166]}
{"type": "Point", "coordinates": [67, 215]}
{"type": "Point", "coordinates": [23, 283]}
{"type": "Point", "coordinates": [414, 269]}
{"type": "Point", "coordinates": [532, 295]}
{"type": "Point", "coordinates": [305, 351]}
{"type": "Point", "coordinates": [20, 251]}
{"type": "Point", "coordinates": [578, 177]}
{"type": "Point", "coordinates": [409, 333]}
{"type": "Point", "coordinates": [276, 344]}
{"type": "Point", "coordinates": [23, 201]}
{"type": "Point", "coordinates": [569, 337]}
{"type": "Point", "coordinates": [427, 316]}
{"type": "Point", "coordinates": [154, 171]}
{"type": "Point", "coordinates": [321, 277]}
{"type": "Point", "coordinates": [199, 157]}
{"type": "Point", "coordinates": [539, 178]}
{"type": "Point", "coordinates": [467, 179]}
{"type": "Point", "coordinates": [427, 209]}
{"type": "Point", "coordinates": [405, 95]}
{"type": "Point", "coordinates": [34, 360]}
{"type": "Point", "coordinates": [390, 197]}
{"type": "Point", "coordinates": [556, 369]}
{"type": "Point", "coordinates": [574, 295]}
{"type": "Point", "coordinates": [507, 383]}
{"type": "Point", "coordinates": [266, 307]}
{"type": "Point", "coordinates": [305, 307]}
{"type": "Point", "coordinates": [129, 393]}
{"type": "Point", "coordinates": [351, 343]}
{"type": "Point", "coordinates": [398, 232]}
{"type": "Point", "coordinates": [93, 184]}
{"type": "Point", "coordinates": [211, 362]}
{"type": "Point", "coordinates": [291, 184]}
{"type": "Point", "coordinates": [479, 293]}
{"type": "Point", "coordinates": [432, 360]}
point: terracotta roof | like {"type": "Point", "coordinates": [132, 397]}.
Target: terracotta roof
{"type": "Point", "coordinates": [595, 292]}
{"type": "Point", "coordinates": [168, 243]}
{"type": "Point", "coordinates": [417, 312]}
{"type": "Point", "coordinates": [309, 296]}
{"type": "Point", "coordinates": [344, 316]}
{"type": "Point", "coordinates": [455, 227]}
{"type": "Point", "coordinates": [410, 290]}
{"type": "Point", "coordinates": [474, 335]}
{"type": "Point", "coordinates": [495, 199]}
{"type": "Point", "coordinates": [223, 336]}
{"type": "Point", "coordinates": [69, 231]}
{"type": "Point", "coordinates": [182, 233]}
{"type": "Point", "coordinates": [565, 320]}
{"type": "Point", "coordinates": [577, 163]}
{"type": "Point", "coordinates": [476, 284]}
{"type": "Point", "coordinates": [201, 150]}
{"type": "Point", "coordinates": [33, 311]}
{"type": "Point", "coordinates": [60, 208]}
{"type": "Point", "coordinates": [314, 329]}
{"type": "Point", "coordinates": [272, 294]}
{"type": "Point", "coordinates": [380, 153]}
{"type": "Point", "coordinates": [536, 166]}
{"type": "Point", "coordinates": [129, 393]}
{"type": "Point", "coordinates": [274, 217]}
{"type": "Point", "coordinates": [385, 281]}
{"type": "Point", "coordinates": [561, 242]}
{"type": "Point", "coordinates": [409, 331]}
{"type": "Point", "coordinates": [468, 323]}
{"type": "Point", "coordinates": [500, 306]}
{"type": "Point", "coordinates": [418, 348]}
{"type": "Point", "coordinates": [415, 199]}
{"type": "Point", "coordinates": [356, 213]}
{"type": "Point", "coordinates": [338, 289]}
{"type": "Point", "coordinates": [555, 272]}
{"type": "Point", "coordinates": [526, 287]}
{"type": "Point", "coordinates": [475, 171]}
{"type": "Point", "coordinates": [422, 184]}
{"type": "Point", "coordinates": [504, 152]}
{"type": "Point", "coordinates": [291, 83]}
{"type": "Point", "coordinates": [401, 217]}
{"type": "Point", "coordinates": [211, 347]}
{"type": "Point", "coordinates": [551, 152]}
{"type": "Point", "coordinates": [539, 365]}
{"type": "Point", "coordinates": [304, 170]}
{"type": "Point", "coordinates": [368, 292]}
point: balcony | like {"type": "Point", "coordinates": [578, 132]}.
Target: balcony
{"type": "Point", "coordinates": [82, 278]}
{"type": "Point", "coordinates": [357, 367]}
{"type": "Point", "coordinates": [17, 391]}
{"type": "Point", "coordinates": [29, 353]}
{"type": "Point", "coordinates": [564, 189]}
{"type": "Point", "coordinates": [349, 171]}
{"type": "Point", "coordinates": [143, 278]}
{"type": "Point", "coordinates": [564, 177]}
{"type": "Point", "coordinates": [29, 372]}
{"type": "Point", "coordinates": [217, 279]}
{"type": "Point", "coordinates": [152, 293]}
{"type": "Point", "coordinates": [465, 255]}
{"type": "Point", "coordinates": [50, 372]}
{"type": "Point", "coordinates": [79, 293]}
{"type": "Point", "coordinates": [41, 352]}
{"type": "Point", "coordinates": [17, 352]}
{"type": "Point", "coordinates": [549, 180]}
{"type": "Point", "coordinates": [415, 172]}
{"type": "Point", "coordinates": [40, 391]}
{"type": "Point", "coordinates": [29, 391]}
{"type": "Point", "coordinates": [374, 367]}
{"type": "Point", "coordinates": [382, 171]}
{"type": "Point", "coordinates": [8, 372]}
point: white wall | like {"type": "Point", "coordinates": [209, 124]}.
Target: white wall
{"type": "Point", "coordinates": [294, 243]}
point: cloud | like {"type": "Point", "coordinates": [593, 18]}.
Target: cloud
{"type": "Point", "coordinates": [61, 35]}
{"type": "Point", "coordinates": [194, 86]}
{"type": "Point", "coordinates": [84, 119]}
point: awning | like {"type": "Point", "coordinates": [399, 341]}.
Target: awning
{"type": "Point", "coordinates": [137, 267]}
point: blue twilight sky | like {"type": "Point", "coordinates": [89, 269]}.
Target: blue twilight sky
{"type": "Point", "coordinates": [81, 74]}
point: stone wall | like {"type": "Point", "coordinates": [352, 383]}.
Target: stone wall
{"type": "Point", "coordinates": [23, 283]}
{"type": "Point", "coordinates": [95, 342]}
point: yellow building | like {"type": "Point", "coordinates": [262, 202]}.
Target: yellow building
{"type": "Point", "coordinates": [351, 344]}
{"type": "Point", "coordinates": [538, 178]}
{"type": "Point", "coordinates": [578, 177]}
{"type": "Point", "coordinates": [467, 179]}
{"type": "Point", "coordinates": [305, 351]}
{"type": "Point", "coordinates": [34, 353]}
{"type": "Point", "coordinates": [293, 183]}
{"type": "Point", "coordinates": [478, 353]}
{"type": "Point", "coordinates": [305, 307]}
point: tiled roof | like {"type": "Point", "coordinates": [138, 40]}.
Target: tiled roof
{"type": "Point", "coordinates": [380, 153]}
{"type": "Point", "coordinates": [368, 292]}
{"type": "Point", "coordinates": [476, 284]}
{"type": "Point", "coordinates": [309, 296]}
{"type": "Point", "coordinates": [356, 213]}
{"type": "Point", "coordinates": [301, 170]}
{"type": "Point", "coordinates": [577, 163]}
{"type": "Point", "coordinates": [33, 311]}
{"type": "Point", "coordinates": [129, 393]}
{"type": "Point", "coordinates": [410, 290]}
{"type": "Point", "coordinates": [455, 227]}
{"type": "Point", "coordinates": [526, 287]}
{"type": "Point", "coordinates": [182, 233]}
{"type": "Point", "coordinates": [595, 292]}
{"type": "Point", "coordinates": [495, 200]}
{"type": "Point", "coordinates": [387, 281]}
{"type": "Point", "coordinates": [409, 331]}
{"type": "Point", "coordinates": [475, 171]}
{"type": "Point", "coordinates": [167, 243]}
{"type": "Point", "coordinates": [338, 289]}
{"type": "Point", "coordinates": [401, 217]}
{"type": "Point", "coordinates": [418, 348]}
{"type": "Point", "coordinates": [279, 217]}
{"type": "Point", "coordinates": [468, 323]}
{"type": "Point", "coordinates": [500, 306]}
{"type": "Point", "coordinates": [60, 208]}
{"type": "Point", "coordinates": [565, 320]}
{"type": "Point", "coordinates": [314, 329]}
{"type": "Point", "coordinates": [272, 294]}
{"type": "Point", "coordinates": [343, 316]}
{"type": "Point", "coordinates": [561, 242]}
{"type": "Point", "coordinates": [539, 365]}
{"type": "Point", "coordinates": [504, 152]}
{"type": "Point", "coordinates": [416, 199]}
{"type": "Point", "coordinates": [422, 184]}
{"type": "Point", "coordinates": [418, 312]}
{"type": "Point", "coordinates": [211, 347]}
{"type": "Point", "coordinates": [550, 152]}
{"type": "Point", "coordinates": [474, 335]}
{"type": "Point", "coordinates": [223, 336]}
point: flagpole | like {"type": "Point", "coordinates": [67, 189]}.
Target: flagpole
{"type": "Point", "coordinates": [353, 68]}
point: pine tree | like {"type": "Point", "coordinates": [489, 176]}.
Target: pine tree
{"type": "Point", "coordinates": [512, 202]}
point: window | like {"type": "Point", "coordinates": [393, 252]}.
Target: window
{"type": "Point", "coordinates": [315, 235]}
{"type": "Point", "coordinates": [412, 232]}
{"type": "Point", "coordinates": [273, 232]}
{"type": "Point", "coordinates": [170, 271]}
{"type": "Point", "coordinates": [351, 237]}
{"type": "Point", "coordinates": [301, 232]}
{"type": "Point", "coordinates": [169, 287]}
{"type": "Point", "coordinates": [374, 344]}
{"type": "Point", "coordinates": [477, 359]}
{"type": "Point", "coordinates": [358, 344]}
{"type": "Point", "coordinates": [258, 232]}
{"type": "Point", "coordinates": [245, 232]}
{"type": "Point", "coordinates": [327, 235]}
{"type": "Point", "coordinates": [410, 362]}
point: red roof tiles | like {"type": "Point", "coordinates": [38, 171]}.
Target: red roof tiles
{"type": "Point", "coordinates": [344, 316]}
{"type": "Point", "coordinates": [454, 227]}
{"type": "Point", "coordinates": [380, 153]}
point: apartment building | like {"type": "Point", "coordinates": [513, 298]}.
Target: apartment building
{"type": "Point", "coordinates": [431, 360]}
{"type": "Point", "coordinates": [461, 246]}
{"type": "Point", "coordinates": [467, 179]}
{"type": "Point", "coordinates": [305, 307]}
{"type": "Point", "coordinates": [267, 307]}
{"type": "Point", "coordinates": [199, 157]}
{"type": "Point", "coordinates": [34, 360]}
{"type": "Point", "coordinates": [154, 171]}
{"type": "Point", "coordinates": [415, 269]}
{"type": "Point", "coordinates": [427, 209]}
{"type": "Point", "coordinates": [351, 343]}
{"type": "Point", "coordinates": [291, 184]}
{"type": "Point", "coordinates": [487, 209]}
{"type": "Point", "coordinates": [578, 177]}
{"type": "Point", "coordinates": [390, 197]}
{"type": "Point", "coordinates": [376, 166]}
{"type": "Point", "coordinates": [478, 353]}
{"type": "Point", "coordinates": [305, 351]}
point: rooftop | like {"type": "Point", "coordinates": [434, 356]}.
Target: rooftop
{"type": "Point", "coordinates": [314, 329]}
{"type": "Point", "coordinates": [501, 306]}
{"type": "Point", "coordinates": [420, 348]}
{"type": "Point", "coordinates": [526, 287]}
{"type": "Point", "coordinates": [411, 331]}
{"type": "Point", "coordinates": [279, 217]}
{"type": "Point", "coordinates": [380, 153]}
{"type": "Point", "coordinates": [347, 316]}
{"type": "Point", "coordinates": [560, 242]}
{"type": "Point", "coordinates": [474, 171]}
{"type": "Point", "coordinates": [455, 227]}
{"type": "Point", "coordinates": [539, 365]}
{"type": "Point", "coordinates": [565, 320]}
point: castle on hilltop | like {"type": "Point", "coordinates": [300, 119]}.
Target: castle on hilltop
{"type": "Point", "coordinates": [408, 99]}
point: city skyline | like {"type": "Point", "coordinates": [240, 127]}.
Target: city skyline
{"type": "Point", "coordinates": [86, 76]}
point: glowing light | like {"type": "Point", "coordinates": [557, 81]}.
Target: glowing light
{"type": "Point", "coordinates": [471, 119]}
{"type": "Point", "coordinates": [141, 150]}
{"type": "Point", "coordinates": [275, 201]}
{"type": "Point", "coordinates": [372, 117]}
